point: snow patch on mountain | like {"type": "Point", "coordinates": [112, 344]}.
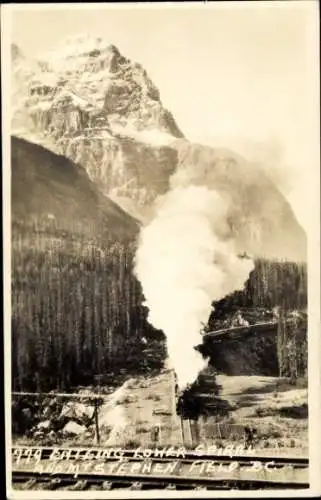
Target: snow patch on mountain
{"type": "Point", "coordinates": [79, 45]}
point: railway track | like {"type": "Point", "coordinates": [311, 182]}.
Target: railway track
{"type": "Point", "coordinates": [241, 330]}
{"type": "Point", "coordinates": [32, 480]}
{"type": "Point", "coordinates": [81, 469]}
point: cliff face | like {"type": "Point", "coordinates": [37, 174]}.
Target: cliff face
{"type": "Point", "coordinates": [260, 219]}
{"type": "Point", "coordinates": [91, 104]}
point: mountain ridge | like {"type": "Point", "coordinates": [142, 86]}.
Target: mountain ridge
{"type": "Point", "coordinates": [94, 106]}
{"type": "Point", "coordinates": [47, 187]}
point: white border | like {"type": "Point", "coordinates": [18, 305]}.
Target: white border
{"type": "Point", "coordinates": [311, 7]}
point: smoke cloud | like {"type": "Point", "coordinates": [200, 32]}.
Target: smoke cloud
{"type": "Point", "coordinates": [185, 260]}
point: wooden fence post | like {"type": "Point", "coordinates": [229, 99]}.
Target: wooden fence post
{"type": "Point", "coordinates": [96, 421]}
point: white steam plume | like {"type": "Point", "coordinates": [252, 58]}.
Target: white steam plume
{"type": "Point", "coordinates": [184, 262]}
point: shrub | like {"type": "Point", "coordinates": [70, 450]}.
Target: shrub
{"type": "Point", "coordinates": [143, 429]}
{"type": "Point", "coordinates": [132, 443]}
{"type": "Point", "coordinates": [154, 397]}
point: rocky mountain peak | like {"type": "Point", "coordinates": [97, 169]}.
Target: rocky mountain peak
{"type": "Point", "coordinates": [101, 80]}
{"type": "Point", "coordinates": [83, 43]}
{"type": "Point", "coordinates": [87, 53]}
{"type": "Point", "coordinates": [88, 102]}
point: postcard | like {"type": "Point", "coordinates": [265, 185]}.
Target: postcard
{"type": "Point", "coordinates": [161, 249]}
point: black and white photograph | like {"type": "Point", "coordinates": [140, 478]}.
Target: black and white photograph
{"type": "Point", "coordinates": [161, 210]}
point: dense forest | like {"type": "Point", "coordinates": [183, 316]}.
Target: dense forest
{"type": "Point", "coordinates": [77, 309]}
{"type": "Point", "coordinates": [284, 351]}
{"type": "Point", "coordinates": [270, 284]}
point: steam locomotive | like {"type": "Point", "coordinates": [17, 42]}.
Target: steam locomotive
{"type": "Point", "coordinates": [201, 398]}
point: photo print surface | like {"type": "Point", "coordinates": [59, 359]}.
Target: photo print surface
{"type": "Point", "coordinates": [161, 177]}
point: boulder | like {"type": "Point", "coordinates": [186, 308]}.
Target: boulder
{"type": "Point", "coordinates": [39, 435]}
{"type": "Point", "coordinates": [77, 411]}
{"type": "Point", "coordinates": [73, 428]}
{"type": "Point", "coordinates": [45, 425]}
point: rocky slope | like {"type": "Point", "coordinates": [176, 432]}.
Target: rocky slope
{"type": "Point", "coordinates": [93, 105]}
{"type": "Point", "coordinates": [260, 219]}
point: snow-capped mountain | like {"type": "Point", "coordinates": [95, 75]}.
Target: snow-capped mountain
{"type": "Point", "coordinates": [93, 105]}
{"type": "Point", "coordinates": [108, 90]}
{"type": "Point", "coordinates": [88, 102]}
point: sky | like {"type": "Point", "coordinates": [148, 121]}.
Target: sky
{"type": "Point", "coordinates": [242, 75]}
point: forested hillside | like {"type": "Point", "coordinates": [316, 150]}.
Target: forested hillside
{"type": "Point", "coordinates": [75, 301]}
{"type": "Point", "coordinates": [270, 284]}
{"type": "Point", "coordinates": [75, 313]}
